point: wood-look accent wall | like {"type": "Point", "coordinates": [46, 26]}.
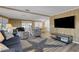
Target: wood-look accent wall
{"type": "Point", "coordinates": [68, 31]}
{"type": "Point", "coordinates": [18, 23]}
{"type": "Point", "coordinates": [15, 23]}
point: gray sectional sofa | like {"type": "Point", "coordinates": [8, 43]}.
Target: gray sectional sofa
{"type": "Point", "coordinates": [13, 43]}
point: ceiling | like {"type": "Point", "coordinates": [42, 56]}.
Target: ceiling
{"type": "Point", "coordinates": [43, 11]}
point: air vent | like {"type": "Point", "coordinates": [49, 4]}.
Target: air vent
{"type": "Point", "coordinates": [27, 10]}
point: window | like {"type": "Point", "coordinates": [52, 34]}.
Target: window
{"type": "Point", "coordinates": [38, 24]}
{"type": "Point", "coordinates": [3, 22]}
{"type": "Point", "coordinates": [27, 25]}
{"type": "Point", "coordinates": [0, 25]}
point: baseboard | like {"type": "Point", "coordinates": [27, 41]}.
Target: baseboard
{"type": "Point", "coordinates": [75, 42]}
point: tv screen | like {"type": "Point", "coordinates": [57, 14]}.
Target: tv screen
{"type": "Point", "coordinates": [66, 22]}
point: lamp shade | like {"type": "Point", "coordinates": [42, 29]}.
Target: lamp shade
{"type": "Point", "coordinates": [1, 37]}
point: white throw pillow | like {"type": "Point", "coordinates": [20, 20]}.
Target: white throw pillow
{"type": "Point", "coordinates": [8, 35]}
{"type": "Point", "coordinates": [1, 37]}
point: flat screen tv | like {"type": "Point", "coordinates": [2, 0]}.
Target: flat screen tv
{"type": "Point", "coordinates": [66, 22]}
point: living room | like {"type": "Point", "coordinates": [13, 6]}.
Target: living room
{"type": "Point", "coordinates": [37, 31]}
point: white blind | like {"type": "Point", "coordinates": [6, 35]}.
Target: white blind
{"type": "Point", "coordinates": [47, 25]}
{"type": "Point", "coordinates": [0, 19]}
{"type": "Point", "coordinates": [3, 22]}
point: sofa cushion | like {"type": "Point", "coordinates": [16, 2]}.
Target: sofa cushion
{"type": "Point", "coordinates": [12, 41]}
{"type": "Point", "coordinates": [1, 37]}
{"type": "Point", "coordinates": [25, 44]}
{"type": "Point", "coordinates": [2, 31]}
{"type": "Point", "coordinates": [7, 35]}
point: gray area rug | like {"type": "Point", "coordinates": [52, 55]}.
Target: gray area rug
{"type": "Point", "coordinates": [38, 44]}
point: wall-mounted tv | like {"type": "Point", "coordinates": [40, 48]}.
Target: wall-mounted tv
{"type": "Point", "coordinates": [66, 22]}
